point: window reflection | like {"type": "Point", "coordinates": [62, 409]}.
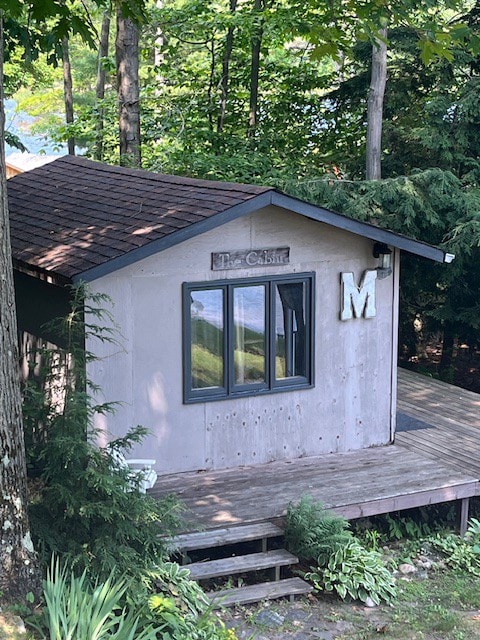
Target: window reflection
{"type": "Point", "coordinates": [206, 312]}
{"type": "Point", "coordinates": [249, 334]}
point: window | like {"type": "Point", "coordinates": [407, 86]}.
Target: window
{"type": "Point", "coordinates": [243, 337]}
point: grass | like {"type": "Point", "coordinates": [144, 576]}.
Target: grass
{"type": "Point", "coordinates": [444, 606]}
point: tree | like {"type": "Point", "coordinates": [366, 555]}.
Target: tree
{"type": "Point", "coordinates": [128, 88]}
{"type": "Point", "coordinates": [378, 80]}
{"type": "Point", "coordinates": [255, 67]}
{"type": "Point", "coordinates": [19, 573]}
{"type": "Point", "coordinates": [101, 78]}
{"type": "Point", "coordinates": [68, 91]}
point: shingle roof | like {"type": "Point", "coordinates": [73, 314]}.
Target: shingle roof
{"type": "Point", "coordinates": [75, 214]}
{"type": "Point", "coordinates": [79, 219]}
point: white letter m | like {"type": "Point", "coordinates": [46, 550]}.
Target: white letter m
{"type": "Point", "coordinates": [358, 300]}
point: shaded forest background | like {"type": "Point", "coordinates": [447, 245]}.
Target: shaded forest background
{"type": "Point", "coordinates": [277, 92]}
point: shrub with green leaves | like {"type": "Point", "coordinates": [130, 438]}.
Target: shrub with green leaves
{"type": "Point", "coordinates": [84, 508]}
{"type": "Point", "coordinates": [459, 554]}
{"type": "Point", "coordinates": [180, 607]}
{"type": "Point", "coordinates": [343, 564]}
{"type": "Point", "coordinates": [355, 572]}
{"type": "Point", "coordinates": [312, 532]}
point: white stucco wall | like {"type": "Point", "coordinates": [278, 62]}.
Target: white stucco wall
{"type": "Point", "coordinates": [350, 406]}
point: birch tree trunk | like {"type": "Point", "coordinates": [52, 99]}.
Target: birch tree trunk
{"type": "Point", "coordinates": [101, 79]}
{"type": "Point", "coordinates": [375, 108]}
{"type": "Point", "coordinates": [19, 572]}
{"type": "Point", "coordinates": [128, 89]}
{"type": "Point", "coordinates": [68, 91]}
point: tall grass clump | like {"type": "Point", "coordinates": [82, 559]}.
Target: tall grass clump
{"type": "Point", "coordinates": [164, 605]}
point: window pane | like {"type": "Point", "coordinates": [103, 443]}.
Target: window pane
{"type": "Point", "coordinates": [206, 314]}
{"type": "Point", "coordinates": [290, 330]}
{"type": "Point", "coordinates": [249, 334]}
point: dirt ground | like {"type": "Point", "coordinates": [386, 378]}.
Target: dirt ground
{"type": "Point", "coordinates": [316, 619]}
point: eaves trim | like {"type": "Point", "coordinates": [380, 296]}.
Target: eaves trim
{"type": "Point", "coordinates": [255, 203]}
{"type": "Point", "coordinates": [364, 229]}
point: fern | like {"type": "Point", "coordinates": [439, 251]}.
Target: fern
{"type": "Point", "coordinates": [313, 533]}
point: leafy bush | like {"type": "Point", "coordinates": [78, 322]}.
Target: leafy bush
{"type": "Point", "coordinates": [180, 607]}
{"type": "Point", "coordinates": [312, 532]}
{"type": "Point", "coordinates": [343, 564]}
{"type": "Point", "coordinates": [459, 554]}
{"type": "Point", "coordinates": [124, 609]}
{"type": "Point", "coordinates": [353, 571]}
{"type": "Point", "coordinates": [84, 508]}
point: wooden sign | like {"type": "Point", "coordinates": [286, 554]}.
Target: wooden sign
{"type": "Point", "coordinates": [246, 259]}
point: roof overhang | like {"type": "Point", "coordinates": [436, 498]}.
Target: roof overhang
{"type": "Point", "coordinates": [260, 201]}
{"type": "Point", "coordinates": [364, 229]}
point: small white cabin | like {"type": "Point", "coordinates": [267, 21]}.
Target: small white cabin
{"type": "Point", "coordinates": [254, 326]}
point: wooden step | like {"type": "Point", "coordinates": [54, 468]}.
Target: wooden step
{"type": "Point", "coordinates": [258, 592]}
{"type": "Point", "coordinates": [239, 564]}
{"type": "Point", "coordinates": [222, 537]}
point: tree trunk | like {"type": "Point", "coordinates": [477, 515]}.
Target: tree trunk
{"type": "Point", "coordinates": [19, 572]}
{"type": "Point", "coordinates": [448, 344]}
{"type": "Point", "coordinates": [375, 108]}
{"type": "Point", "coordinates": [159, 55]}
{"type": "Point", "coordinates": [255, 69]}
{"type": "Point", "coordinates": [225, 79]}
{"type": "Point", "coordinates": [101, 78]}
{"type": "Point", "coordinates": [127, 56]}
{"type": "Point", "coordinates": [68, 92]}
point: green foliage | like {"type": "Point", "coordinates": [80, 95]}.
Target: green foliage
{"type": "Point", "coordinates": [84, 508]}
{"type": "Point", "coordinates": [343, 564]}
{"type": "Point", "coordinates": [161, 603]}
{"type": "Point", "coordinates": [354, 572]}
{"type": "Point", "coordinates": [400, 527]}
{"type": "Point", "coordinates": [75, 608]}
{"type": "Point", "coordinates": [179, 606]}
{"type": "Point", "coordinates": [460, 554]}
{"type": "Point", "coordinates": [313, 533]}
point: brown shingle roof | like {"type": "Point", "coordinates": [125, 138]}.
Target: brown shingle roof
{"type": "Point", "coordinates": [79, 219]}
{"type": "Point", "coordinates": [74, 214]}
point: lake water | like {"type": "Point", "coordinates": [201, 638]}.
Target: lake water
{"type": "Point", "coordinates": [20, 123]}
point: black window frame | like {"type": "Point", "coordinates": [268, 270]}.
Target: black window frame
{"type": "Point", "coordinates": [229, 389]}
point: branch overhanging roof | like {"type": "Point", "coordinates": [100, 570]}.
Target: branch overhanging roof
{"type": "Point", "coordinates": [78, 219]}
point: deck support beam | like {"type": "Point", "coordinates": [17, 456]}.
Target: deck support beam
{"type": "Point", "coordinates": [464, 505]}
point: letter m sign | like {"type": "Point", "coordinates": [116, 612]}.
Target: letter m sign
{"type": "Point", "coordinates": [358, 301]}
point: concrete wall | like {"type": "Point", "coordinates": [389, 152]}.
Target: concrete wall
{"type": "Point", "coordinates": [350, 406]}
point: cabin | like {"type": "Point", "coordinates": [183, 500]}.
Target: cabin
{"type": "Point", "coordinates": [258, 343]}
{"type": "Point", "coordinates": [19, 162]}
{"type": "Point", "coordinates": [255, 327]}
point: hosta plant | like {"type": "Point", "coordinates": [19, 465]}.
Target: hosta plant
{"type": "Point", "coordinates": [355, 572]}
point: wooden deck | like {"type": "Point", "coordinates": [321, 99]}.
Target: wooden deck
{"type": "Point", "coordinates": [428, 465]}
{"type": "Point", "coordinates": [453, 438]}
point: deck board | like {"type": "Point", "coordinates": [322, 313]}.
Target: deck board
{"type": "Point", "coordinates": [426, 466]}
{"type": "Point", "coordinates": [454, 413]}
